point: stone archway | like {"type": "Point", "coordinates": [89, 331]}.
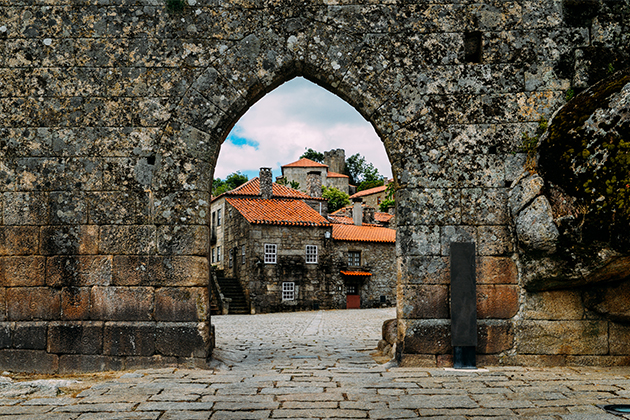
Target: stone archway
{"type": "Point", "coordinates": [112, 118]}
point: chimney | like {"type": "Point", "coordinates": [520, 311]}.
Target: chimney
{"type": "Point", "coordinates": [314, 184]}
{"type": "Point", "coordinates": [266, 190]}
{"type": "Point", "coordinates": [368, 215]}
{"type": "Point", "coordinates": [357, 211]}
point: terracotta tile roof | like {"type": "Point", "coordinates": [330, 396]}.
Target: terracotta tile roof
{"type": "Point", "coordinates": [363, 233]}
{"type": "Point", "coordinates": [355, 273]}
{"type": "Point", "coordinates": [277, 212]}
{"type": "Point", "coordinates": [383, 217]}
{"type": "Point", "coordinates": [345, 220]}
{"type": "Point", "coordinates": [370, 191]}
{"type": "Point", "coordinates": [305, 163]}
{"type": "Point", "coordinates": [252, 188]}
{"type": "Point", "coordinates": [336, 175]}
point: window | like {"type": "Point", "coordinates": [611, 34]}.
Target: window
{"type": "Point", "coordinates": [354, 258]}
{"type": "Point", "coordinates": [230, 257]}
{"type": "Point", "coordinates": [213, 255]}
{"type": "Point", "coordinates": [288, 290]}
{"type": "Point", "coordinates": [311, 254]}
{"type": "Point", "coordinates": [243, 254]}
{"type": "Point", "coordinates": [214, 218]}
{"type": "Point", "coordinates": [219, 217]}
{"type": "Point", "coordinates": [270, 253]}
{"type": "Point", "coordinates": [218, 253]}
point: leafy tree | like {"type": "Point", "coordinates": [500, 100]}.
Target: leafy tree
{"type": "Point", "coordinates": [313, 155]}
{"type": "Point", "coordinates": [336, 199]}
{"type": "Point", "coordinates": [389, 198]}
{"type": "Point", "coordinates": [232, 181]}
{"type": "Point", "coordinates": [359, 170]}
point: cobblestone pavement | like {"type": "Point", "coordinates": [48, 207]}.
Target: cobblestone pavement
{"type": "Point", "coordinates": [317, 365]}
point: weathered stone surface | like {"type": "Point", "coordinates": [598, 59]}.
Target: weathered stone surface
{"type": "Point", "coordinates": [562, 337]}
{"type": "Point", "coordinates": [425, 270]}
{"type": "Point", "coordinates": [143, 270]}
{"type": "Point", "coordinates": [619, 339]}
{"type": "Point", "coordinates": [129, 339]}
{"type": "Point", "coordinates": [117, 239]}
{"type": "Point", "coordinates": [26, 208]}
{"type": "Point", "coordinates": [75, 363]}
{"type": "Point", "coordinates": [31, 361]}
{"type": "Point", "coordinates": [554, 305]}
{"type": "Point", "coordinates": [185, 339]}
{"type": "Point", "coordinates": [64, 240]}
{"type": "Point", "coordinates": [29, 335]}
{"type": "Point", "coordinates": [425, 336]}
{"type": "Point", "coordinates": [22, 271]}
{"type": "Point", "coordinates": [535, 227]}
{"type": "Point", "coordinates": [496, 270]}
{"type": "Point", "coordinates": [183, 240]}
{"type": "Point", "coordinates": [612, 301]}
{"type": "Point", "coordinates": [390, 331]}
{"type": "Point", "coordinates": [497, 301]}
{"type": "Point", "coordinates": [424, 302]}
{"type": "Point", "coordinates": [181, 304]}
{"type": "Point", "coordinates": [484, 206]}
{"type": "Point", "coordinates": [494, 240]}
{"type": "Point", "coordinates": [122, 303]}
{"type": "Point", "coordinates": [75, 303]}
{"type": "Point", "coordinates": [79, 270]}
{"type": "Point", "coordinates": [83, 337]}
{"type": "Point", "coordinates": [19, 240]}
{"type": "Point", "coordinates": [25, 303]}
{"type": "Point", "coordinates": [494, 336]}
{"type": "Point", "coordinates": [524, 192]}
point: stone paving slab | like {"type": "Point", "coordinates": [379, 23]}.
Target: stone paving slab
{"type": "Point", "coordinates": [299, 373]}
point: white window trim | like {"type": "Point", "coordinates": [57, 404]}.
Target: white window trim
{"type": "Point", "coordinates": [311, 258]}
{"type": "Point", "coordinates": [288, 290]}
{"type": "Point", "coordinates": [219, 254]}
{"type": "Point", "coordinates": [353, 253]}
{"type": "Point", "coordinates": [270, 252]}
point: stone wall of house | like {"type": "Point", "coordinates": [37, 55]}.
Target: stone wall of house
{"type": "Point", "coordinates": [377, 258]}
{"type": "Point", "coordinates": [112, 117]}
{"type": "Point", "coordinates": [341, 183]}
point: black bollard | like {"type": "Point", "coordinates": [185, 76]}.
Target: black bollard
{"type": "Point", "coordinates": [463, 305]}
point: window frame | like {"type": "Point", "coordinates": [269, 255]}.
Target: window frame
{"type": "Point", "coordinates": [311, 258]}
{"type": "Point", "coordinates": [212, 259]}
{"type": "Point", "coordinates": [218, 217]}
{"type": "Point", "coordinates": [242, 254]}
{"type": "Point", "coordinates": [219, 253]}
{"type": "Point", "coordinates": [352, 258]}
{"type": "Point", "coordinates": [267, 253]}
{"type": "Point", "coordinates": [230, 258]}
{"type": "Point", "coordinates": [288, 291]}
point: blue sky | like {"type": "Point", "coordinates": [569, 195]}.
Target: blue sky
{"type": "Point", "coordinates": [289, 120]}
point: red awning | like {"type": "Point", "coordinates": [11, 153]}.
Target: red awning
{"type": "Point", "coordinates": [355, 273]}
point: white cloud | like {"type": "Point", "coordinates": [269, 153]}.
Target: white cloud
{"type": "Point", "coordinates": [296, 116]}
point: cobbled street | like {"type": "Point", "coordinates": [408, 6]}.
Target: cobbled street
{"type": "Point", "coordinates": [317, 365]}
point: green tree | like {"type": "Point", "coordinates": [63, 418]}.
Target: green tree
{"type": "Point", "coordinates": [313, 155]}
{"type": "Point", "coordinates": [336, 199]}
{"type": "Point", "coordinates": [366, 185]}
{"type": "Point", "coordinates": [293, 184]}
{"type": "Point", "coordinates": [232, 181]}
{"type": "Point", "coordinates": [359, 170]}
{"type": "Point", "coordinates": [389, 198]}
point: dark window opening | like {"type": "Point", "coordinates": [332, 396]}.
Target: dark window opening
{"type": "Point", "coordinates": [472, 47]}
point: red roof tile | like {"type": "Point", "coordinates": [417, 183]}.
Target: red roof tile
{"type": "Point", "coordinates": [355, 273]}
{"type": "Point", "coordinates": [363, 233]}
{"type": "Point", "coordinates": [370, 191]}
{"type": "Point", "coordinates": [383, 217]}
{"type": "Point", "coordinates": [336, 175]}
{"type": "Point", "coordinates": [252, 188]}
{"type": "Point", "coordinates": [305, 163]}
{"type": "Point", "coordinates": [277, 212]}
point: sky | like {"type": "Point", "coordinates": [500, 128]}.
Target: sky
{"type": "Point", "coordinates": [296, 116]}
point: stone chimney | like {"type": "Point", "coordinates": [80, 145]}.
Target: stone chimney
{"type": "Point", "coordinates": [314, 184]}
{"type": "Point", "coordinates": [368, 215]}
{"type": "Point", "coordinates": [357, 211]}
{"type": "Point", "coordinates": [335, 159]}
{"type": "Point", "coordinates": [266, 189]}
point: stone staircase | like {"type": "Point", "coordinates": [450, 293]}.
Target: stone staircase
{"type": "Point", "coordinates": [231, 288]}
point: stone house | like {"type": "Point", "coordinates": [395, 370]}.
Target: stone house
{"type": "Point", "coordinates": [284, 252]}
{"type": "Point", "coordinates": [299, 170]}
{"type": "Point", "coordinates": [372, 197]}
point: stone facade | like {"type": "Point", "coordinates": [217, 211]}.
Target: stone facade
{"type": "Point", "coordinates": [111, 121]}
{"type": "Point", "coordinates": [299, 172]}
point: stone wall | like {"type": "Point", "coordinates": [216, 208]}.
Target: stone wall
{"type": "Point", "coordinates": [376, 258]}
{"type": "Point", "coordinates": [112, 115]}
